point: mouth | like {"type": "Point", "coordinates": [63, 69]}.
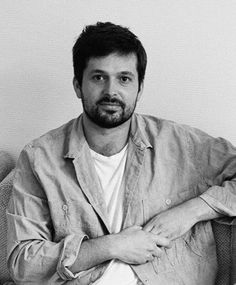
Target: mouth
{"type": "Point", "coordinates": [111, 105]}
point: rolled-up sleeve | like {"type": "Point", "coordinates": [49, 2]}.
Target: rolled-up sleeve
{"type": "Point", "coordinates": [216, 162]}
{"type": "Point", "coordinates": [33, 255]}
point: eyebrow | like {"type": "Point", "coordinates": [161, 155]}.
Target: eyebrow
{"type": "Point", "coordinates": [129, 73]}
{"type": "Point", "coordinates": [97, 71]}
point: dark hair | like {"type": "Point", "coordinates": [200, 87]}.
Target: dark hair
{"type": "Point", "coordinates": [103, 39]}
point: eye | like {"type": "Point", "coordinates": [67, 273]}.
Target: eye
{"type": "Point", "coordinates": [98, 77]}
{"type": "Point", "coordinates": [125, 79]}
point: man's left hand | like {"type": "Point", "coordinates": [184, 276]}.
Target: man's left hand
{"type": "Point", "coordinates": [176, 221]}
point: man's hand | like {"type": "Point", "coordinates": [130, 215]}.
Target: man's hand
{"type": "Point", "coordinates": [132, 245]}
{"type": "Point", "coordinates": [172, 223]}
{"type": "Point", "coordinates": [135, 246]}
{"type": "Point", "coordinates": [176, 221]}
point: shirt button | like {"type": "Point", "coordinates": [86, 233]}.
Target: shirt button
{"type": "Point", "coordinates": [64, 207]}
{"type": "Point", "coordinates": [168, 202]}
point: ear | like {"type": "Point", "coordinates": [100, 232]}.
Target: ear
{"type": "Point", "coordinates": [140, 91]}
{"type": "Point", "coordinates": [77, 87]}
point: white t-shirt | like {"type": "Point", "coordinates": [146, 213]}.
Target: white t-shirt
{"type": "Point", "coordinates": [110, 171]}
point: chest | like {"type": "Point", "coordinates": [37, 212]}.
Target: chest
{"type": "Point", "coordinates": [152, 182]}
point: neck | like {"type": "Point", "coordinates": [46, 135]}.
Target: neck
{"type": "Point", "coordinates": [105, 141]}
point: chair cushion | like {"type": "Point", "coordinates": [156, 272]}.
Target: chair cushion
{"type": "Point", "coordinates": [6, 164]}
{"type": "Point", "coordinates": [5, 192]}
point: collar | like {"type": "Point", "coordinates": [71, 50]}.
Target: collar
{"type": "Point", "coordinates": [138, 133]}
{"type": "Point", "coordinates": [76, 141]}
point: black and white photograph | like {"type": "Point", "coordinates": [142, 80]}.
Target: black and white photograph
{"type": "Point", "coordinates": [118, 142]}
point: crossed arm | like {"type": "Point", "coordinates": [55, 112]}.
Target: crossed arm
{"type": "Point", "coordinates": [137, 245]}
{"type": "Point", "coordinates": [134, 245]}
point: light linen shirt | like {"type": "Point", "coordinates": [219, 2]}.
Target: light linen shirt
{"type": "Point", "coordinates": [57, 201]}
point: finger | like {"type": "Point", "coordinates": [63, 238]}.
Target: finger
{"type": "Point", "coordinates": [133, 228]}
{"type": "Point", "coordinates": [148, 227]}
{"type": "Point", "coordinates": [157, 251]}
{"type": "Point", "coordinates": [161, 240]}
{"type": "Point", "coordinates": [150, 257]}
{"type": "Point", "coordinates": [156, 230]}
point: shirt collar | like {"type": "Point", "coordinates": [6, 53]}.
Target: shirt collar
{"type": "Point", "coordinates": [138, 133]}
{"type": "Point", "coordinates": [76, 141]}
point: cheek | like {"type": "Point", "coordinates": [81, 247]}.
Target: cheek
{"type": "Point", "coordinates": [91, 91]}
{"type": "Point", "coordinates": [131, 98]}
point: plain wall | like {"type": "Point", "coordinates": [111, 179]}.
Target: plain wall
{"type": "Point", "coordinates": [191, 74]}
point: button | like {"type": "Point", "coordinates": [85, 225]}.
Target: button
{"type": "Point", "coordinates": [168, 202]}
{"type": "Point", "coordinates": [65, 208]}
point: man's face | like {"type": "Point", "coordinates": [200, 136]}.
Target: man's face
{"type": "Point", "coordinates": [110, 89]}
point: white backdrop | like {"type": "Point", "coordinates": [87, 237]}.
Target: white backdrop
{"type": "Point", "coordinates": [191, 74]}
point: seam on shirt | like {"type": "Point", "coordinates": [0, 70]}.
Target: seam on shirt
{"type": "Point", "coordinates": [196, 164]}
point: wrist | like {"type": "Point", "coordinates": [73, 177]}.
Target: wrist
{"type": "Point", "coordinates": [115, 243]}
{"type": "Point", "coordinates": [94, 252]}
{"type": "Point", "coordinates": [110, 245]}
{"type": "Point", "coordinates": [199, 210]}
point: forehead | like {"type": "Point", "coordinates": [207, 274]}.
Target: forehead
{"type": "Point", "coordinates": [113, 63]}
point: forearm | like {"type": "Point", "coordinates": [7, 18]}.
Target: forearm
{"type": "Point", "coordinates": [94, 252]}
{"type": "Point", "coordinates": [222, 198]}
{"type": "Point", "coordinates": [199, 210]}
{"type": "Point", "coordinates": [34, 261]}
{"type": "Point", "coordinates": [175, 222]}
{"type": "Point", "coordinates": [37, 259]}
{"type": "Point", "coordinates": [132, 245]}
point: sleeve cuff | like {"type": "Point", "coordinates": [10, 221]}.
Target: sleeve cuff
{"type": "Point", "coordinates": [217, 205]}
{"type": "Point", "coordinates": [68, 256]}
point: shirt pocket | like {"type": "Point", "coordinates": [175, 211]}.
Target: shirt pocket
{"type": "Point", "coordinates": [74, 217]}
{"type": "Point", "coordinates": [155, 202]}
{"type": "Point", "coordinates": [200, 240]}
{"type": "Point", "coordinates": [196, 245]}
{"type": "Point", "coordinates": [194, 250]}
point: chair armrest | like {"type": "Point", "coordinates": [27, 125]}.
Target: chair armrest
{"type": "Point", "coordinates": [225, 237]}
{"type": "Point", "coordinates": [5, 193]}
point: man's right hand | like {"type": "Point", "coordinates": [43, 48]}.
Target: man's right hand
{"type": "Point", "coordinates": [136, 246]}
{"type": "Point", "coordinates": [132, 245]}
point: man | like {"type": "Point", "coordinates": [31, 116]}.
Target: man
{"type": "Point", "coordinates": [114, 197]}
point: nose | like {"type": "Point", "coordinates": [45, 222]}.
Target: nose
{"type": "Point", "coordinates": [110, 87]}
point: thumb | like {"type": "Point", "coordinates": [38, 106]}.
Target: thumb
{"type": "Point", "coordinates": [133, 228]}
{"type": "Point", "coordinates": [161, 241]}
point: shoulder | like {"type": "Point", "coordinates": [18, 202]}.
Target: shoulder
{"type": "Point", "coordinates": [54, 136]}
{"type": "Point", "coordinates": [53, 141]}
{"type": "Point", "coordinates": [163, 130]}
{"type": "Point", "coordinates": [159, 125]}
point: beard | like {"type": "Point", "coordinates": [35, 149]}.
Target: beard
{"type": "Point", "coordinates": [108, 118]}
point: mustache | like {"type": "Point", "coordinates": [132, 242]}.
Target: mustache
{"type": "Point", "coordinates": [112, 100]}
